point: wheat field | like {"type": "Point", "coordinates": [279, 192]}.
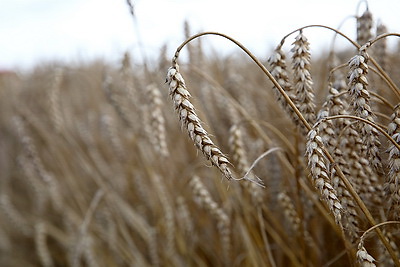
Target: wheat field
{"type": "Point", "coordinates": [288, 160]}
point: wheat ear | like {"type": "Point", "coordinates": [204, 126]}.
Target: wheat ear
{"type": "Point", "coordinates": [328, 136]}
{"type": "Point", "coordinates": [364, 258]}
{"type": "Point", "coordinates": [55, 100]}
{"type": "Point", "coordinates": [17, 220]}
{"type": "Point", "coordinates": [42, 248]}
{"type": "Point", "coordinates": [302, 78]}
{"type": "Point", "coordinates": [360, 102]}
{"type": "Point", "coordinates": [191, 122]}
{"type": "Point", "coordinates": [278, 69]}
{"type": "Point", "coordinates": [115, 101]}
{"type": "Point", "coordinates": [392, 184]}
{"type": "Point", "coordinates": [108, 126]}
{"type": "Point", "coordinates": [32, 154]}
{"type": "Point", "coordinates": [290, 213]}
{"type": "Point", "coordinates": [169, 218]}
{"type": "Point", "coordinates": [206, 201]}
{"type": "Point", "coordinates": [239, 158]}
{"type": "Point", "coordinates": [157, 121]}
{"type": "Point", "coordinates": [317, 164]}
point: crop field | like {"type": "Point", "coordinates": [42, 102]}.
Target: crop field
{"type": "Point", "coordinates": [207, 160]}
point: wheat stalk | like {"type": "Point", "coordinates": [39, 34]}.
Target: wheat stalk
{"type": "Point", "coordinates": [31, 153]}
{"type": "Point", "coordinates": [110, 131]}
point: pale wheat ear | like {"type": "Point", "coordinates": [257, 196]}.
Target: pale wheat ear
{"type": "Point", "coordinates": [204, 199]}
{"type": "Point", "coordinates": [240, 160]}
{"type": "Point", "coordinates": [358, 91]}
{"type": "Point", "coordinates": [391, 183]}
{"type": "Point", "coordinates": [317, 164]}
{"type": "Point", "coordinates": [41, 245]}
{"type": "Point", "coordinates": [157, 121]}
{"type": "Point", "coordinates": [302, 81]}
{"type": "Point", "coordinates": [278, 69]}
{"type": "Point", "coordinates": [55, 100]}
{"type": "Point", "coordinates": [330, 140]}
{"type": "Point", "coordinates": [192, 123]}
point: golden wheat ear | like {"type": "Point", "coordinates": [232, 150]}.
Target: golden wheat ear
{"type": "Point", "coordinates": [192, 123]}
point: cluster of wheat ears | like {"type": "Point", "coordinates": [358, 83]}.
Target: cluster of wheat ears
{"type": "Point", "coordinates": [96, 169]}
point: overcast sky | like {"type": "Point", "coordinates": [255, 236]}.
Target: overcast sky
{"type": "Point", "coordinates": [32, 31]}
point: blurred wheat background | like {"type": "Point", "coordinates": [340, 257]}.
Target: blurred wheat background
{"type": "Point", "coordinates": [97, 170]}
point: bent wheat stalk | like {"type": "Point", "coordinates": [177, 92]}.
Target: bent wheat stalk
{"type": "Point", "coordinates": [173, 74]}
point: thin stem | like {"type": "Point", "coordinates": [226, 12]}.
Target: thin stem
{"type": "Point", "coordinates": [265, 238]}
{"type": "Point", "coordinates": [383, 116]}
{"type": "Point", "coordinates": [321, 26]}
{"type": "Point", "coordinates": [376, 226]}
{"type": "Point", "coordinates": [285, 248]}
{"type": "Point", "coordinates": [323, 209]}
{"type": "Point", "coordinates": [359, 4]}
{"type": "Point", "coordinates": [334, 37]}
{"type": "Point", "coordinates": [271, 150]}
{"type": "Point", "coordinates": [383, 75]}
{"type": "Point", "coordinates": [380, 129]}
{"type": "Point", "coordinates": [381, 98]}
{"type": "Point", "coordinates": [344, 65]}
{"type": "Point", "coordinates": [384, 35]}
{"type": "Point", "coordinates": [279, 134]}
